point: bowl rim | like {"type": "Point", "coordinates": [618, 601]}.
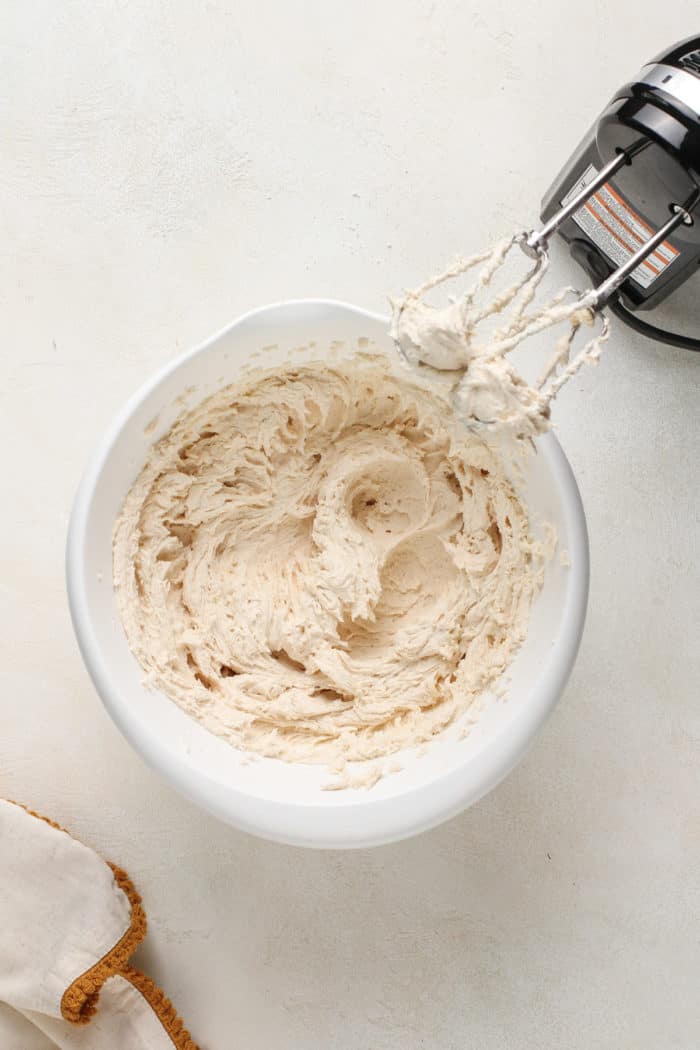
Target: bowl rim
{"type": "Point", "coordinates": [357, 822]}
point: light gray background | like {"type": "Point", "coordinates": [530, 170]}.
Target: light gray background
{"type": "Point", "coordinates": [168, 165]}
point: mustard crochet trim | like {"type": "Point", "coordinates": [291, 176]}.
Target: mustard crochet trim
{"type": "Point", "coordinates": [162, 1008]}
{"type": "Point", "coordinates": [79, 1000]}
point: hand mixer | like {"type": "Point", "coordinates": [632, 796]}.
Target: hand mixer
{"type": "Point", "coordinates": [624, 203]}
{"type": "Point", "coordinates": [653, 122]}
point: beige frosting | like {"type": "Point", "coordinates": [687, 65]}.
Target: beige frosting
{"type": "Point", "coordinates": [317, 565]}
{"type": "Point", "coordinates": [487, 390]}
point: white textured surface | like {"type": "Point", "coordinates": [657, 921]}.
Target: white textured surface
{"type": "Point", "coordinates": [167, 166]}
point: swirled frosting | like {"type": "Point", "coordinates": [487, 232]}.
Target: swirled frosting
{"type": "Point", "coordinates": [319, 566]}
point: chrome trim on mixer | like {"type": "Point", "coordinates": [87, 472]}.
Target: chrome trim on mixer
{"type": "Point", "coordinates": [676, 82]}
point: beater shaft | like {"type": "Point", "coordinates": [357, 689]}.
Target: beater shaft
{"type": "Point", "coordinates": [537, 240]}
{"type": "Point", "coordinates": [601, 295]}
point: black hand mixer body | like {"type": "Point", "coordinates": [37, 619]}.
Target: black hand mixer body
{"type": "Point", "coordinates": [654, 121]}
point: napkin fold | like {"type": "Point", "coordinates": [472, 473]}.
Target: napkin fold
{"type": "Point", "coordinates": [69, 923]}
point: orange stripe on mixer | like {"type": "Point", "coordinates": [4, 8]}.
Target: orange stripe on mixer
{"type": "Point", "coordinates": [616, 236]}
{"type": "Point", "coordinates": [638, 241]}
{"type": "Point", "coordinates": [624, 206]}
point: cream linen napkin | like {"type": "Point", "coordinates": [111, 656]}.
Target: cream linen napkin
{"type": "Point", "coordinates": [69, 922]}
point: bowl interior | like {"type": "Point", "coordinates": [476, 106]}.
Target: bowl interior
{"type": "Point", "coordinates": [267, 795]}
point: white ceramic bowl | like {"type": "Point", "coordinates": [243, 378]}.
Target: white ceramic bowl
{"type": "Point", "coordinates": [268, 797]}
